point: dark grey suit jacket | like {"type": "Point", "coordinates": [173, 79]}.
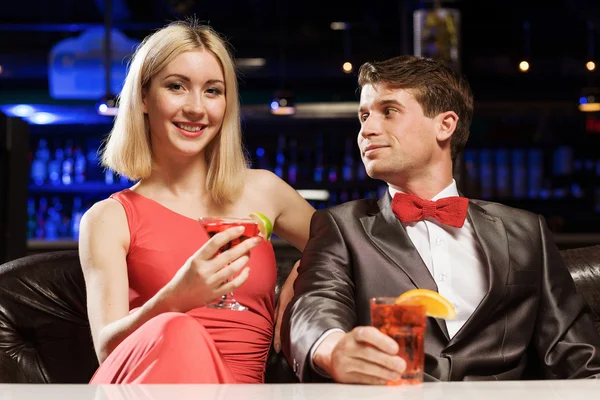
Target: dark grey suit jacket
{"type": "Point", "coordinates": [532, 323]}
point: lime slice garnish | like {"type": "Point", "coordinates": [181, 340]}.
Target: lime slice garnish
{"type": "Point", "coordinates": [264, 224]}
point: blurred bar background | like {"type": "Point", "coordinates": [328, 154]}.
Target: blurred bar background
{"type": "Point", "coordinates": [532, 66]}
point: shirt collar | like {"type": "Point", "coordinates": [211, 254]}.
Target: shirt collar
{"type": "Point", "coordinates": [448, 191]}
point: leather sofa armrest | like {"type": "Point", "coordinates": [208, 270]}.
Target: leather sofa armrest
{"type": "Point", "coordinates": [10, 371]}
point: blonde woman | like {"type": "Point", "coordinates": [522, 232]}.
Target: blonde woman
{"type": "Point", "coordinates": [150, 268]}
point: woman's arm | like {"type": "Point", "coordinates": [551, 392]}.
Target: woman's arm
{"type": "Point", "coordinates": [292, 223]}
{"type": "Point", "coordinates": [103, 246]}
{"type": "Point", "coordinates": [292, 211]}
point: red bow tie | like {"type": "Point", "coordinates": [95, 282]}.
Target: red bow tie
{"type": "Point", "coordinates": [450, 211]}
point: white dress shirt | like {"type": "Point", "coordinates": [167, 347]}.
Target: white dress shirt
{"type": "Point", "coordinates": [454, 259]}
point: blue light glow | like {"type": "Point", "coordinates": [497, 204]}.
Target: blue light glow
{"type": "Point", "coordinates": [56, 114]}
{"type": "Point", "coordinates": [22, 110]}
{"type": "Point", "coordinates": [42, 118]}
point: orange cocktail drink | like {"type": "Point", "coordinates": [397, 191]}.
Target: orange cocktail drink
{"type": "Point", "coordinates": [404, 319]}
{"type": "Point", "coordinates": [405, 323]}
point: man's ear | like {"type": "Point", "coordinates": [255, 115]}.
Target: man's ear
{"type": "Point", "coordinates": [446, 124]}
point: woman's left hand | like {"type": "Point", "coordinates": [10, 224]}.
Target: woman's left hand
{"type": "Point", "coordinates": [285, 296]}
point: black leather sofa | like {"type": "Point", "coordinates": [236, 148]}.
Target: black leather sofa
{"type": "Point", "coordinates": [44, 332]}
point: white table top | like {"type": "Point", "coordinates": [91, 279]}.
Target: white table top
{"type": "Point", "coordinates": [515, 390]}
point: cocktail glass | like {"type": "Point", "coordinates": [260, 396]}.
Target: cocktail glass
{"type": "Point", "coordinates": [214, 225]}
{"type": "Point", "coordinates": [405, 323]}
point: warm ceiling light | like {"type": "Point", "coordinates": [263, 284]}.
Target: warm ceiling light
{"type": "Point", "coordinates": [590, 100]}
{"type": "Point", "coordinates": [340, 26]}
{"type": "Point", "coordinates": [251, 62]}
{"type": "Point", "coordinates": [347, 67]}
{"type": "Point", "coordinates": [524, 66]}
{"type": "Point", "coordinates": [589, 107]}
{"type": "Point", "coordinates": [590, 65]}
{"type": "Point", "coordinates": [314, 194]}
{"type": "Point", "coordinates": [108, 106]}
{"type": "Point", "coordinates": [283, 104]}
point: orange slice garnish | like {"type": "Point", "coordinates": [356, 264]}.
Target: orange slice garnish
{"type": "Point", "coordinates": [436, 305]}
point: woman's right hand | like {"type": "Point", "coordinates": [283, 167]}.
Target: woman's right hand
{"type": "Point", "coordinates": [205, 275]}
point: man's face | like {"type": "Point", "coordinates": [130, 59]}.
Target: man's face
{"type": "Point", "coordinates": [396, 140]}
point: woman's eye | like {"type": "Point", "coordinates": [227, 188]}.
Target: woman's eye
{"type": "Point", "coordinates": [215, 91]}
{"type": "Point", "coordinates": [175, 86]}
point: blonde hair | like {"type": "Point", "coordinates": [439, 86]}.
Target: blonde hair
{"type": "Point", "coordinates": [128, 151]}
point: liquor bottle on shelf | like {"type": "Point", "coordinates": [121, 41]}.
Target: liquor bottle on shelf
{"type": "Point", "coordinates": [40, 218]}
{"type": "Point", "coordinates": [93, 170]}
{"type": "Point", "coordinates": [576, 191]}
{"type": "Point", "coordinates": [262, 161]}
{"type": "Point", "coordinates": [487, 174]}
{"type": "Point", "coordinates": [109, 176]}
{"type": "Point", "coordinates": [333, 159]}
{"type": "Point", "coordinates": [293, 165]}
{"type": "Point", "coordinates": [60, 220]}
{"type": "Point", "coordinates": [333, 198]}
{"type": "Point", "coordinates": [67, 165]}
{"type": "Point", "coordinates": [344, 196]}
{"type": "Point", "coordinates": [371, 194]}
{"type": "Point", "coordinates": [319, 161]}
{"type": "Point", "coordinates": [597, 200]}
{"type": "Point", "coordinates": [52, 224]}
{"type": "Point", "coordinates": [332, 175]}
{"type": "Point", "coordinates": [502, 174]}
{"type": "Point", "coordinates": [76, 215]}
{"type": "Point", "coordinates": [305, 164]}
{"type": "Point", "coordinates": [361, 172]}
{"type": "Point", "coordinates": [280, 156]}
{"type": "Point", "coordinates": [31, 220]}
{"type": "Point", "coordinates": [39, 165]}
{"type": "Point", "coordinates": [471, 173]}
{"type": "Point", "coordinates": [55, 167]}
{"type": "Point", "coordinates": [562, 169]}
{"type": "Point", "coordinates": [79, 165]}
{"type": "Point", "coordinates": [535, 168]}
{"type": "Point", "coordinates": [519, 176]}
{"type": "Point", "coordinates": [562, 161]}
{"type": "Point", "coordinates": [348, 168]}
{"type": "Point", "coordinates": [584, 173]}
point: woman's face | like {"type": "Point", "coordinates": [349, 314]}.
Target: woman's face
{"type": "Point", "coordinates": [185, 104]}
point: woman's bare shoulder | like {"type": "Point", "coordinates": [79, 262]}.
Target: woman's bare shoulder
{"type": "Point", "coordinates": [263, 179]}
{"type": "Point", "coordinates": [104, 225]}
{"type": "Point", "coordinates": [107, 209]}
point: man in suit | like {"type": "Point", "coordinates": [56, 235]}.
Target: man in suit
{"type": "Point", "coordinates": [518, 312]}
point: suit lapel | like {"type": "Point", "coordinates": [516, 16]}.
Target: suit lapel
{"type": "Point", "coordinates": [390, 237]}
{"type": "Point", "coordinates": [492, 238]}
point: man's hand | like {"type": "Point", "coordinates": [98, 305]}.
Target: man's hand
{"type": "Point", "coordinates": [364, 355]}
{"type": "Point", "coordinates": [285, 296]}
